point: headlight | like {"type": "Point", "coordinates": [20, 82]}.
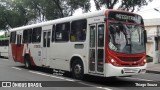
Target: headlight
{"type": "Point", "coordinates": [144, 60]}
{"type": "Point", "coordinates": [113, 61]}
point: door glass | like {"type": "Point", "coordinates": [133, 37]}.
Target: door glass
{"type": "Point", "coordinates": [101, 35]}
{"type": "Point", "coordinates": [48, 39]}
{"type": "Point", "coordinates": [92, 60]}
{"type": "Point", "coordinates": [19, 40]}
{"type": "Point", "coordinates": [44, 39]}
{"type": "Point", "coordinates": [96, 58]}
{"type": "Point", "coordinates": [100, 60]}
{"type": "Point", "coordinates": [92, 36]}
{"type": "Point", "coordinates": [92, 50]}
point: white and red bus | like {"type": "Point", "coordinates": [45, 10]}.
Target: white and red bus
{"type": "Point", "coordinates": [105, 43]}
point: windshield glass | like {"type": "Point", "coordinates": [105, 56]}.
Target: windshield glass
{"type": "Point", "coordinates": [126, 38]}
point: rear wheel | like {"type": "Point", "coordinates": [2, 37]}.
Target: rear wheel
{"type": "Point", "coordinates": [78, 69]}
{"type": "Point", "coordinates": [27, 62]}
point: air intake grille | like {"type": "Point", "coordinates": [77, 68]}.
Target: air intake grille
{"type": "Point", "coordinates": [130, 59]}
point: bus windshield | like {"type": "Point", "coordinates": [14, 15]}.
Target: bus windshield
{"type": "Point", "coordinates": [126, 38]}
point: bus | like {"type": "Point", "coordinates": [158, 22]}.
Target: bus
{"type": "Point", "coordinates": [105, 43]}
{"type": "Point", "coordinates": [4, 42]}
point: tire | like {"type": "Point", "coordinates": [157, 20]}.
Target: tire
{"type": "Point", "coordinates": [27, 62]}
{"type": "Point", "coordinates": [77, 70]}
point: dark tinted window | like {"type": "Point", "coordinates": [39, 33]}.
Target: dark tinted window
{"type": "Point", "coordinates": [36, 35]}
{"type": "Point", "coordinates": [13, 37]}
{"type": "Point", "coordinates": [62, 32]}
{"type": "Point", "coordinates": [53, 33]}
{"type": "Point", "coordinates": [78, 30]}
{"type": "Point", "coordinates": [27, 36]}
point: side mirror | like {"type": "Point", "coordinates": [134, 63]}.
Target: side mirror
{"type": "Point", "coordinates": [145, 36]}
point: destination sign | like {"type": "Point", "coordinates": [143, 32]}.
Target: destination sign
{"type": "Point", "coordinates": [125, 17]}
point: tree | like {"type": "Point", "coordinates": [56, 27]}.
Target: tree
{"type": "Point", "coordinates": [53, 9]}
{"type": "Point", "coordinates": [2, 20]}
{"type": "Point", "coordinates": [13, 14]}
{"type": "Point", "coordinates": [128, 5]}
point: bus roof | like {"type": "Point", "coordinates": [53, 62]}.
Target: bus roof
{"type": "Point", "coordinates": [66, 19]}
{"type": "Point", "coordinates": [61, 20]}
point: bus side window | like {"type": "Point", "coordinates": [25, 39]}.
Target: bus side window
{"type": "Point", "coordinates": [36, 35]}
{"type": "Point", "coordinates": [7, 42]}
{"type": "Point", "coordinates": [53, 33]}
{"type": "Point", "coordinates": [62, 32]}
{"type": "Point", "coordinates": [78, 30]}
{"type": "Point", "coordinates": [27, 36]}
{"type": "Point", "coordinates": [0, 43]}
{"type": "Point", "coordinates": [13, 37]}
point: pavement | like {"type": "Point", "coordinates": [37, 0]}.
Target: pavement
{"type": "Point", "coordinates": [153, 68]}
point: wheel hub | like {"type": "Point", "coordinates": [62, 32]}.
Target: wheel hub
{"type": "Point", "coordinates": [77, 69]}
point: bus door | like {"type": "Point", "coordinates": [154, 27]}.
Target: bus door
{"type": "Point", "coordinates": [96, 51]}
{"type": "Point", "coordinates": [19, 48]}
{"type": "Point", "coordinates": [46, 47]}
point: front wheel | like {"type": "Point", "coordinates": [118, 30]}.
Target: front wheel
{"type": "Point", "coordinates": [77, 69]}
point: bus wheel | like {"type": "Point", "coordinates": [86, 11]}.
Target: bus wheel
{"type": "Point", "coordinates": [27, 62]}
{"type": "Point", "coordinates": [77, 69]}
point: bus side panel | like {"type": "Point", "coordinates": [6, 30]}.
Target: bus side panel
{"type": "Point", "coordinates": [35, 54]}
{"type": "Point", "coordinates": [17, 53]}
{"type": "Point", "coordinates": [59, 56]}
{"type": "Point", "coordinates": [13, 51]}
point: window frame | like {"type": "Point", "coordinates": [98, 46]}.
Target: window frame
{"type": "Point", "coordinates": [79, 22]}
{"type": "Point", "coordinates": [36, 32]}
{"type": "Point", "coordinates": [67, 30]}
{"type": "Point", "coordinates": [13, 38]}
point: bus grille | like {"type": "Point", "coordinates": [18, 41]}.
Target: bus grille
{"type": "Point", "coordinates": [130, 59]}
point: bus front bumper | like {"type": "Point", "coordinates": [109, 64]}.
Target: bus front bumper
{"type": "Point", "coordinates": [124, 71]}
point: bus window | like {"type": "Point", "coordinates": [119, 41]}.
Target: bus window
{"type": "Point", "coordinates": [0, 43]}
{"type": "Point", "coordinates": [36, 35]}
{"type": "Point", "coordinates": [62, 32]}
{"type": "Point", "coordinates": [78, 30]}
{"type": "Point", "coordinates": [19, 37]}
{"type": "Point", "coordinates": [92, 36]}
{"type": "Point", "coordinates": [27, 36]}
{"type": "Point", "coordinates": [100, 35]}
{"type": "Point", "coordinates": [13, 37]}
{"type": "Point", "coordinates": [7, 42]}
{"type": "Point", "coordinates": [48, 39]}
{"type": "Point", "coordinates": [53, 33]}
{"type": "Point", "coordinates": [44, 39]}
